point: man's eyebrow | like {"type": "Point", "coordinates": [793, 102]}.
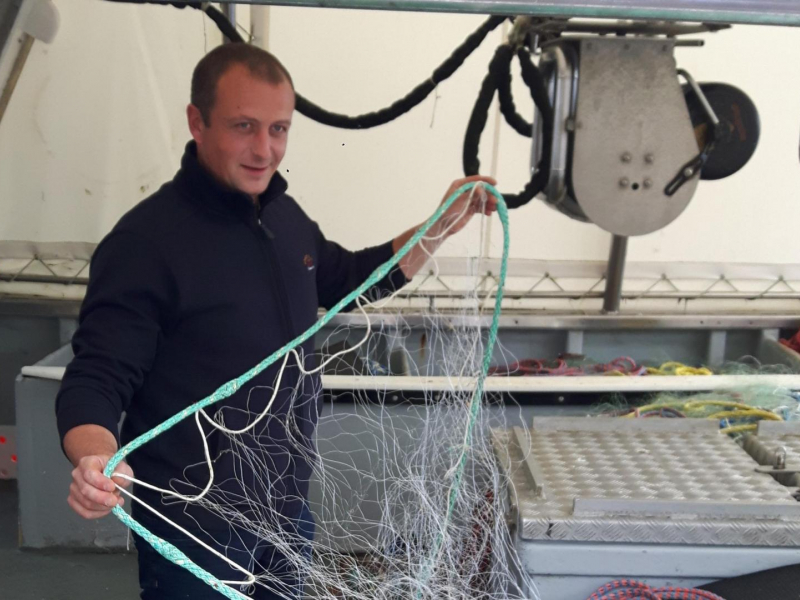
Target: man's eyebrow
{"type": "Point", "coordinates": [241, 118]}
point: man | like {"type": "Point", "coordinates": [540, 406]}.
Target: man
{"type": "Point", "coordinates": [193, 287]}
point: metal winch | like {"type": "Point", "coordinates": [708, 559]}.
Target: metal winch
{"type": "Point", "coordinates": [632, 133]}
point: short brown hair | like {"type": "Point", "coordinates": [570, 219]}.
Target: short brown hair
{"type": "Point", "coordinates": [213, 65]}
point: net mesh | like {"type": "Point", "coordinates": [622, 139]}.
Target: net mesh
{"type": "Point", "coordinates": [408, 500]}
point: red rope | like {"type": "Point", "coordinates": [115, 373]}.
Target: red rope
{"type": "Point", "coordinates": [628, 589]}
{"type": "Point", "coordinates": [793, 342]}
{"type": "Point", "coordinates": [560, 366]}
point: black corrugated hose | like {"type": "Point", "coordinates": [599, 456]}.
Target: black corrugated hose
{"type": "Point", "coordinates": [498, 78]}
{"type": "Point", "coordinates": [366, 121]}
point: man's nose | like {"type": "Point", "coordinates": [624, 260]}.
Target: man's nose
{"type": "Point", "coordinates": [262, 144]}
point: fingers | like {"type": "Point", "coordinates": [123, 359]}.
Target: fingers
{"type": "Point", "coordinates": [485, 204]}
{"type": "Point", "coordinates": [88, 508]}
{"type": "Point", "coordinates": [84, 512]}
{"type": "Point", "coordinates": [474, 178]}
{"type": "Point", "coordinates": [492, 199]}
{"type": "Point", "coordinates": [123, 469]}
{"type": "Point", "coordinates": [96, 479]}
{"type": "Point", "coordinates": [93, 499]}
{"type": "Point", "coordinates": [91, 494]}
{"type": "Point", "coordinates": [485, 201]}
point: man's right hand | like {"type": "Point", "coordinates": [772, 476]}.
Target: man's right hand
{"type": "Point", "coordinates": [91, 494]}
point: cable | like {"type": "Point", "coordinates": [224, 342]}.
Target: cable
{"type": "Point", "coordinates": [412, 99]}
{"type": "Point", "coordinates": [507, 107]}
{"type": "Point", "coordinates": [225, 26]}
{"type": "Point", "coordinates": [368, 120]}
{"type": "Point", "coordinates": [499, 78]}
{"type": "Point", "coordinates": [535, 82]}
{"type": "Point", "coordinates": [494, 80]}
{"type": "Point", "coordinates": [480, 113]}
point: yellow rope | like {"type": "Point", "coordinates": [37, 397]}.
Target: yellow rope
{"type": "Point", "coordinates": [732, 410]}
{"type": "Point", "coordinates": [695, 408]}
{"type": "Point", "coordinates": [739, 428]}
{"type": "Point", "coordinates": [740, 414]}
{"type": "Point", "coordinates": [676, 368]}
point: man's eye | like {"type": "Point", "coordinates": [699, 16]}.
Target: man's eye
{"type": "Point", "coordinates": [279, 128]}
{"type": "Point", "coordinates": [244, 126]}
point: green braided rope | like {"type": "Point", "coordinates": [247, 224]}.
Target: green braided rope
{"type": "Point", "coordinates": [475, 402]}
{"type": "Point", "coordinates": [174, 555]}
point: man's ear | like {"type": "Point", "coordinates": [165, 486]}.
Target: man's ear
{"type": "Point", "coordinates": [195, 120]}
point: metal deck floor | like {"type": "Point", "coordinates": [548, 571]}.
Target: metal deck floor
{"type": "Point", "coordinates": [58, 575]}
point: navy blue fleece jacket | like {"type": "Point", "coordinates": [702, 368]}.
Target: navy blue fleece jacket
{"type": "Point", "coordinates": [193, 287]}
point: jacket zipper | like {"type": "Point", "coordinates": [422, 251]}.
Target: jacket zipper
{"type": "Point", "coordinates": [277, 278]}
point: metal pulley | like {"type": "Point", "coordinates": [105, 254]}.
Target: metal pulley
{"type": "Point", "coordinates": [738, 131]}
{"type": "Point", "coordinates": [629, 143]}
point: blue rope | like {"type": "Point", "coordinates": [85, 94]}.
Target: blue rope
{"type": "Point", "coordinates": [174, 555]}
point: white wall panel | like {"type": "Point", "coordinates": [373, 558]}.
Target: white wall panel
{"type": "Point", "coordinates": [97, 123]}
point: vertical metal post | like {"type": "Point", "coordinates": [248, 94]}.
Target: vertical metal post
{"type": "Point", "coordinates": [16, 71]}
{"type": "Point", "coordinates": [66, 329]}
{"type": "Point", "coordinates": [259, 25]}
{"type": "Point", "coordinates": [614, 275]}
{"type": "Point", "coordinates": [716, 348]}
{"type": "Point", "coordinates": [229, 10]}
{"type": "Point", "coordinates": [574, 342]}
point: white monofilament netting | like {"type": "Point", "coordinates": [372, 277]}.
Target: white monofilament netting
{"type": "Point", "coordinates": [407, 493]}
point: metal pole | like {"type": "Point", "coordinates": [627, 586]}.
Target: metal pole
{"type": "Point", "coordinates": [16, 71]}
{"type": "Point", "coordinates": [616, 270]}
{"type": "Point", "coordinates": [259, 26]}
{"type": "Point", "coordinates": [229, 10]}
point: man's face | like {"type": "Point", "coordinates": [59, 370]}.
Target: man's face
{"type": "Point", "coordinates": [245, 138]}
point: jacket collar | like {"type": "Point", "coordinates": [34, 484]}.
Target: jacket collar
{"type": "Point", "coordinates": [202, 187]}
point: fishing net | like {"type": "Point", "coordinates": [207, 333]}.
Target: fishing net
{"type": "Point", "coordinates": [407, 495]}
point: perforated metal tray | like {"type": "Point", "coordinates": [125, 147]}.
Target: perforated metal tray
{"type": "Point", "coordinates": [776, 446]}
{"type": "Point", "coordinates": [645, 481]}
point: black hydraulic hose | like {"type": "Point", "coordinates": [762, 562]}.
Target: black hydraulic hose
{"type": "Point", "coordinates": [227, 28]}
{"type": "Point", "coordinates": [412, 99]}
{"type": "Point", "coordinates": [480, 112]}
{"type": "Point", "coordinates": [507, 107]}
{"type": "Point", "coordinates": [535, 82]}
{"type": "Point", "coordinates": [366, 121]}
{"type": "Point", "coordinates": [498, 79]}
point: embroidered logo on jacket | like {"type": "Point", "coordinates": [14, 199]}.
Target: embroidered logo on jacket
{"type": "Point", "coordinates": [308, 261]}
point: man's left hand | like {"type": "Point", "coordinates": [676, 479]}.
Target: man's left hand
{"type": "Point", "coordinates": [468, 204]}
